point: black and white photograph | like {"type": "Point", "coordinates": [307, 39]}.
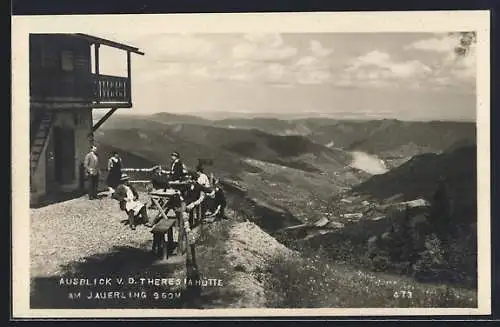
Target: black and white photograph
{"type": "Point", "coordinates": [222, 167]}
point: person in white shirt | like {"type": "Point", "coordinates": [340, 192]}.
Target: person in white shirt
{"type": "Point", "coordinates": [202, 178]}
{"type": "Point", "coordinates": [91, 165]}
{"type": "Point", "coordinates": [129, 201]}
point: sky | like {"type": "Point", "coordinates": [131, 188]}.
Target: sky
{"type": "Point", "coordinates": [408, 76]}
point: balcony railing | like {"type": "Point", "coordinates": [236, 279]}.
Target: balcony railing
{"type": "Point", "coordinates": [111, 89]}
{"type": "Point", "coordinates": [90, 89]}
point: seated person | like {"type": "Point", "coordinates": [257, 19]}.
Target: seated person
{"type": "Point", "coordinates": [129, 201]}
{"type": "Point", "coordinates": [216, 203]}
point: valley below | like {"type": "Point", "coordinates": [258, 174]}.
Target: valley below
{"type": "Point", "coordinates": [341, 198]}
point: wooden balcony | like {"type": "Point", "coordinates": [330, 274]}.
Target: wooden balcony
{"type": "Point", "coordinates": [61, 78]}
{"type": "Point", "coordinates": [111, 90]}
{"type": "Point", "coordinates": [89, 90]}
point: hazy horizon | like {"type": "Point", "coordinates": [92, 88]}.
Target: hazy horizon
{"type": "Point", "coordinates": [221, 115]}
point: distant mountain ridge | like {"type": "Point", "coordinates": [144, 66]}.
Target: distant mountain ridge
{"type": "Point", "coordinates": [392, 140]}
{"type": "Point", "coordinates": [149, 134]}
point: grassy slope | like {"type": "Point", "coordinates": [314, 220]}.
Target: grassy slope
{"type": "Point", "coordinates": [259, 272]}
{"type": "Point", "coordinates": [315, 281]}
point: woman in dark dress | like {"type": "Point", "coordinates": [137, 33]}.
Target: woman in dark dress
{"type": "Point", "coordinates": [114, 171]}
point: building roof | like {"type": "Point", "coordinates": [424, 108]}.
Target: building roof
{"type": "Point", "coordinates": [97, 40]}
{"type": "Point", "coordinates": [93, 40]}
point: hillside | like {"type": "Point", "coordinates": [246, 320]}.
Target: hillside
{"type": "Point", "coordinates": [252, 143]}
{"type": "Point", "coordinates": [419, 177]}
{"type": "Point", "coordinates": [269, 125]}
{"type": "Point", "coordinates": [392, 139]}
{"type": "Point", "coordinates": [222, 144]}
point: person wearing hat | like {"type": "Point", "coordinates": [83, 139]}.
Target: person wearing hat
{"type": "Point", "coordinates": [128, 197]}
{"type": "Point", "coordinates": [177, 168]}
{"type": "Point", "coordinates": [91, 166]}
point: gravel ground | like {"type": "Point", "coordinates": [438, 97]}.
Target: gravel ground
{"type": "Point", "coordinates": [69, 231]}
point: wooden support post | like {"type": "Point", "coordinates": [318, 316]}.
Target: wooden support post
{"type": "Point", "coordinates": [96, 65]}
{"type": "Point", "coordinates": [164, 248]}
{"type": "Point", "coordinates": [193, 255]}
{"type": "Point", "coordinates": [103, 119]}
{"type": "Point", "coordinates": [129, 77]}
{"type": "Point", "coordinates": [170, 238]}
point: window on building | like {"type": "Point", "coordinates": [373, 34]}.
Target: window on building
{"type": "Point", "coordinates": [49, 57]}
{"type": "Point", "coordinates": [67, 61]}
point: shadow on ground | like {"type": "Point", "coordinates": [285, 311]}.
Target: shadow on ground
{"type": "Point", "coordinates": [123, 268]}
{"type": "Point", "coordinates": [126, 263]}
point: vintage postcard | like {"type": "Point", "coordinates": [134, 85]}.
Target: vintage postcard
{"type": "Point", "coordinates": [300, 164]}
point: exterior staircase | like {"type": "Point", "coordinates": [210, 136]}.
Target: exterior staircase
{"type": "Point", "coordinates": [39, 140]}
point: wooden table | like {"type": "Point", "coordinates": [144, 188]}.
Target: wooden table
{"type": "Point", "coordinates": [165, 225]}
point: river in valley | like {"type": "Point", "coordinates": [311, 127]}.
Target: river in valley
{"type": "Point", "coordinates": [368, 163]}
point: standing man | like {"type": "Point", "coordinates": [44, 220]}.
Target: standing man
{"type": "Point", "coordinates": [177, 168]}
{"type": "Point", "coordinates": [91, 165]}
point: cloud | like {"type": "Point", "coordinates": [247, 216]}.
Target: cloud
{"type": "Point", "coordinates": [263, 47]}
{"type": "Point", "coordinates": [311, 70]}
{"type": "Point", "coordinates": [259, 58]}
{"type": "Point", "coordinates": [317, 49]}
{"type": "Point", "coordinates": [314, 77]}
{"type": "Point", "coordinates": [444, 44]}
{"type": "Point", "coordinates": [374, 58]}
{"type": "Point", "coordinates": [452, 68]}
{"type": "Point", "coordinates": [377, 68]}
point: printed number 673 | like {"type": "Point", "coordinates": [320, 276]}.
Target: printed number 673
{"type": "Point", "coordinates": [403, 295]}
